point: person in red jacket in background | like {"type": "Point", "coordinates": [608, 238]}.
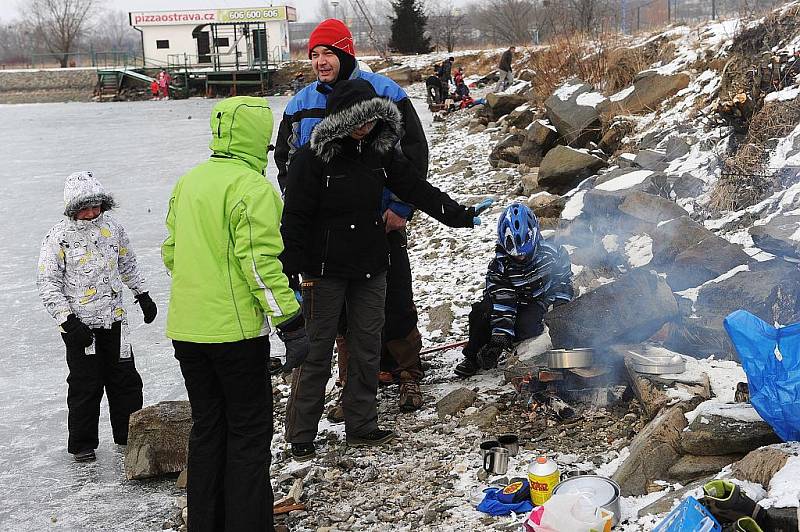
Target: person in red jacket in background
{"type": "Point", "coordinates": [154, 89]}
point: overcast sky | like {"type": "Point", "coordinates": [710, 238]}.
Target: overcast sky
{"type": "Point", "coordinates": [306, 9]}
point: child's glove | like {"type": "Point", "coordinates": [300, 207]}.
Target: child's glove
{"type": "Point", "coordinates": [148, 306]}
{"type": "Point", "coordinates": [490, 353]}
{"type": "Point", "coordinates": [76, 334]}
{"type": "Point", "coordinates": [292, 333]}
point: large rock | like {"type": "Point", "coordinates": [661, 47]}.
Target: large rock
{"type": "Point", "coordinates": [455, 402]}
{"type": "Point", "coordinates": [720, 428]}
{"type": "Point", "coordinates": [547, 205]}
{"type": "Point", "coordinates": [652, 452]}
{"type": "Point", "coordinates": [760, 466]}
{"type": "Point", "coordinates": [671, 498]}
{"type": "Point", "coordinates": [503, 103]}
{"type": "Point", "coordinates": [650, 89]}
{"type": "Point", "coordinates": [507, 150]}
{"type": "Point", "coordinates": [654, 160]}
{"type": "Point", "coordinates": [628, 310]}
{"type": "Point", "coordinates": [564, 167]}
{"type": "Point", "coordinates": [770, 290]}
{"type": "Point", "coordinates": [650, 208]}
{"type": "Point", "coordinates": [690, 467]}
{"type": "Point", "coordinates": [780, 236]}
{"type": "Point", "coordinates": [402, 75]}
{"type": "Point", "coordinates": [540, 137]}
{"type": "Point", "coordinates": [521, 117]}
{"type": "Point", "coordinates": [577, 121]}
{"type": "Point", "coordinates": [158, 440]}
{"type": "Point", "coordinates": [690, 254]}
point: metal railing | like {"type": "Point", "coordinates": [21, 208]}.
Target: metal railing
{"type": "Point", "coordinates": [100, 59]}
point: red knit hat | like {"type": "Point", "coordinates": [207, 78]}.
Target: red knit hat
{"type": "Point", "coordinates": [333, 34]}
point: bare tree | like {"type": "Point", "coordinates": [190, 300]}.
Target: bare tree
{"type": "Point", "coordinates": [115, 34]}
{"type": "Point", "coordinates": [60, 23]}
{"type": "Point", "coordinates": [17, 41]}
{"type": "Point", "coordinates": [506, 21]}
{"type": "Point", "coordinates": [446, 25]}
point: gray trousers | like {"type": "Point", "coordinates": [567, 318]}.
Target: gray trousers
{"type": "Point", "coordinates": [505, 81]}
{"type": "Point", "coordinates": [323, 299]}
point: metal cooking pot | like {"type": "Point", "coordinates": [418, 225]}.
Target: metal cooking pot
{"type": "Point", "coordinates": [602, 491]}
{"type": "Point", "coordinates": [654, 364]}
{"type": "Point", "coordinates": [570, 358]}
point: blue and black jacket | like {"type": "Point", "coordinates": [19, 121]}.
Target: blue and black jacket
{"type": "Point", "coordinates": [510, 284]}
{"type": "Point", "coordinates": [307, 109]}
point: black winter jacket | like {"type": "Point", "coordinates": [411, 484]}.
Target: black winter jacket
{"type": "Point", "coordinates": [332, 224]}
{"type": "Point", "coordinates": [505, 61]}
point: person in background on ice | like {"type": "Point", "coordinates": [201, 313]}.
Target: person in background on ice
{"type": "Point", "coordinates": [154, 89]}
{"type": "Point", "coordinates": [164, 79]}
{"type": "Point", "coordinates": [446, 76]}
{"type": "Point", "coordinates": [332, 54]}
{"type": "Point", "coordinates": [506, 78]}
{"type": "Point", "coordinates": [222, 252]}
{"type": "Point", "coordinates": [84, 262]}
{"type": "Point", "coordinates": [526, 277]}
{"type": "Point", "coordinates": [335, 236]}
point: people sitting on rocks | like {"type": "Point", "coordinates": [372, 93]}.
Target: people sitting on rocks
{"type": "Point", "coordinates": [335, 236]}
{"type": "Point", "coordinates": [84, 261]}
{"type": "Point", "coordinates": [526, 277]}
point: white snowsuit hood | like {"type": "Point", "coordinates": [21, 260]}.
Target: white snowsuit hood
{"type": "Point", "coordinates": [82, 190]}
{"type": "Point", "coordinates": [84, 264]}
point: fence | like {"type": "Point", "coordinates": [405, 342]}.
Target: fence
{"type": "Point", "coordinates": [644, 14]}
{"type": "Point", "coordinates": [93, 59]}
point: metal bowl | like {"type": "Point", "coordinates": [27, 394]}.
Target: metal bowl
{"type": "Point", "coordinates": [602, 491]}
{"type": "Point", "coordinates": [570, 358]}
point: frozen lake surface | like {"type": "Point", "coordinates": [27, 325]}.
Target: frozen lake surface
{"type": "Point", "coordinates": [138, 150]}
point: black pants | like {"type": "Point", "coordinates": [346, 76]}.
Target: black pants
{"type": "Point", "coordinates": [401, 339]}
{"type": "Point", "coordinates": [529, 324]}
{"type": "Point", "coordinates": [88, 376]}
{"type": "Point", "coordinates": [323, 299]}
{"type": "Point", "coordinates": [229, 446]}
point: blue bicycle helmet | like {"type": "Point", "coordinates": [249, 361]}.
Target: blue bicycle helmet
{"type": "Point", "coordinates": [518, 231]}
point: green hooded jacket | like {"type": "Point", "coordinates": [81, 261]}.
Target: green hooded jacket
{"type": "Point", "coordinates": [224, 235]}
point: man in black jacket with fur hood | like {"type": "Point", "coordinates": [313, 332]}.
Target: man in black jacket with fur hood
{"type": "Point", "coordinates": [334, 234]}
{"type": "Point", "coordinates": [332, 55]}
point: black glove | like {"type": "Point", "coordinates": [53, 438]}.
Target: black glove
{"type": "Point", "coordinates": [490, 353]}
{"type": "Point", "coordinates": [76, 333]}
{"type": "Point", "coordinates": [148, 306]}
{"type": "Point", "coordinates": [292, 333]}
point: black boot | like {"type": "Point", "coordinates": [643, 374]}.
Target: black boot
{"type": "Point", "coordinates": [467, 367]}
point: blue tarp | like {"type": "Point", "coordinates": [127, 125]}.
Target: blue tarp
{"type": "Point", "coordinates": [770, 357]}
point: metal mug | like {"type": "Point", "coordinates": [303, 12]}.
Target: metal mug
{"type": "Point", "coordinates": [510, 442]}
{"type": "Point", "coordinates": [488, 445]}
{"type": "Point", "coordinates": [495, 462]}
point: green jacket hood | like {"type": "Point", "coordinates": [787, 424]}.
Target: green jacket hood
{"type": "Point", "coordinates": [241, 128]}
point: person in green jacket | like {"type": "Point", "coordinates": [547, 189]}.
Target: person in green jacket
{"type": "Point", "coordinates": [227, 285]}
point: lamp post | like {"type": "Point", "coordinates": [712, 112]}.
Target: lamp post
{"type": "Point", "coordinates": [335, 4]}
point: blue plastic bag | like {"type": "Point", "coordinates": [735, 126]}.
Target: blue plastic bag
{"type": "Point", "coordinates": [689, 516]}
{"type": "Point", "coordinates": [771, 359]}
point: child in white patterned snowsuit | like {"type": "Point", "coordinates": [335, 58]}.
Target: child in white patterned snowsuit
{"type": "Point", "coordinates": [84, 261]}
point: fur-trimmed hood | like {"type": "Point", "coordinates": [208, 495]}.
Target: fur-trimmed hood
{"type": "Point", "coordinates": [351, 104]}
{"type": "Point", "coordinates": [82, 190]}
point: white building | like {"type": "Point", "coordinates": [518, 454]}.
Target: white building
{"type": "Point", "coordinates": [220, 39]}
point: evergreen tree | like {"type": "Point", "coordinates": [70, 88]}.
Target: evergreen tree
{"type": "Point", "coordinates": [408, 28]}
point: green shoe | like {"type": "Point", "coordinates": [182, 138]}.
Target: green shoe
{"type": "Point", "coordinates": [727, 503]}
{"type": "Point", "coordinates": [747, 524]}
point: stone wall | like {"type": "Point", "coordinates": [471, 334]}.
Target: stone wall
{"type": "Point", "coordinates": [70, 84]}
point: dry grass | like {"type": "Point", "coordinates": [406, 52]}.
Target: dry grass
{"type": "Point", "coordinates": [606, 61]}
{"type": "Point", "coordinates": [746, 179]}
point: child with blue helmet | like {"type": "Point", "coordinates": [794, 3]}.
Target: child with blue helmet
{"type": "Point", "coordinates": [526, 277]}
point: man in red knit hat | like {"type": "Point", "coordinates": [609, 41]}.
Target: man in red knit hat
{"type": "Point", "coordinates": [332, 53]}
